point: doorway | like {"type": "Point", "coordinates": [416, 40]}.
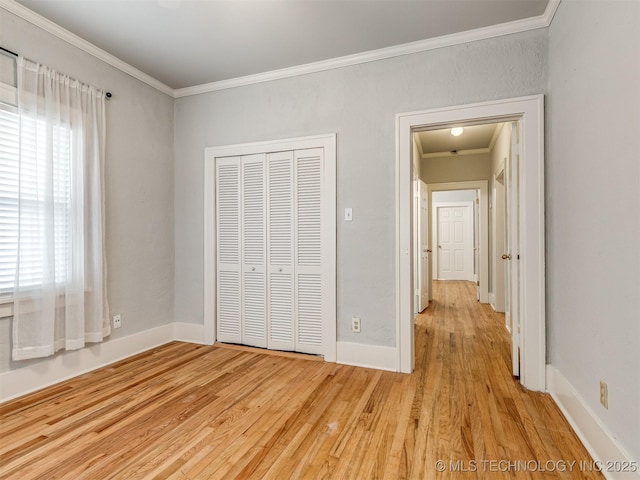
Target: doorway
{"type": "Point", "coordinates": [454, 235]}
{"type": "Point", "coordinates": [528, 252]}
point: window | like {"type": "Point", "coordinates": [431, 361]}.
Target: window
{"type": "Point", "coordinates": [36, 183]}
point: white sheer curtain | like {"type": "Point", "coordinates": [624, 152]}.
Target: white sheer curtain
{"type": "Point", "coordinates": [60, 283]}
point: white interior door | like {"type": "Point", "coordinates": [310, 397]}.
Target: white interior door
{"type": "Point", "coordinates": [423, 229]}
{"type": "Point", "coordinates": [280, 250]}
{"type": "Point", "coordinates": [476, 243]}
{"type": "Point", "coordinates": [254, 288]}
{"type": "Point", "coordinates": [421, 246]}
{"type": "Point", "coordinates": [512, 256]}
{"type": "Point", "coordinates": [228, 291]}
{"type": "Point", "coordinates": [454, 237]}
{"type": "Point", "coordinates": [416, 247]}
{"type": "Point", "coordinates": [309, 165]}
{"type": "Point", "coordinates": [499, 242]}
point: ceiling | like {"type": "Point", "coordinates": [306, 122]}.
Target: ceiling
{"type": "Point", "coordinates": [183, 43]}
{"type": "Point", "coordinates": [474, 139]}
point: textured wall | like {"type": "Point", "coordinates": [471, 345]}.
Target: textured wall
{"type": "Point", "coordinates": [593, 200]}
{"type": "Point", "coordinates": [139, 182]}
{"type": "Point", "coordinates": [359, 103]}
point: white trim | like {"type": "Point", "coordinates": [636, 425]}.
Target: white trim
{"type": "Point", "coordinates": [484, 33]}
{"type": "Point", "coordinates": [368, 356]}
{"type": "Point", "coordinates": [434, 232]}
{"type": "Point", "coordinates": [529, 111]}
{"type": "Point", "coordinates": [63, 366]}
{"type": "Point", "coordinates": [595, 436]}
{"type": "Point", "coordinates": [189, 332]}
{"type": "Point", "coordinates": [71, 38]}
{"type": "Point", "coordinates": [8, 94]}
{"type": "Point", "coordinates": [328, 143]}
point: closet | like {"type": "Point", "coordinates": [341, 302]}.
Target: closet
{"type": "Point", "coordinates": [271, 243]}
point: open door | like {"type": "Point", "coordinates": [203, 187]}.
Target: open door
{"type": "Point", "coordinates": [512, 254]}
{"type": "Point", "coordinates": [421, 211]}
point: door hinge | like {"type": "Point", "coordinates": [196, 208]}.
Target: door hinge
{"type": "Point", "coordinates": [478, 282]}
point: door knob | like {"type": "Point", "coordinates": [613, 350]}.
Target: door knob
{"type": "Point", "coordinates": [253, 269]}
{"type": "Point", "coordinates": [280, 269]}
{"type": "Point", "coordinates": [429, 250]}
{"type": "Point", "coordinates": [506, 256]}
{"type": "Point", "coordinates": [439, 246]}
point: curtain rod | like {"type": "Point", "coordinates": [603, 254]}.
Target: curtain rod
{"type": "Point", "coordinates": [107, 94]}
{"type": "Point", "coordinates": [9, 51]}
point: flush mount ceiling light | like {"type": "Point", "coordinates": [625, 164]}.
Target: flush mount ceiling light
{"type": "Point", "coordinates": [457, 131]}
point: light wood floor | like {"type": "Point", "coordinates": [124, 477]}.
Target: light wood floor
{"type": "Point", "coordinates": [185, 411]}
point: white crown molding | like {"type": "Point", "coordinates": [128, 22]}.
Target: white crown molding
{"type": "Point", "coordinates": [550, 11]}
{"type": "Point", "coordinates": [64, 34]}
{"type": "Point", "coordinates": [484, 33]}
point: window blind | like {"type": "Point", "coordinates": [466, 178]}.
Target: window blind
{"type": "Point", "coordinates": [23, 143]}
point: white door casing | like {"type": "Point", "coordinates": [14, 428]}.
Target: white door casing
{"type": "Point", "coordinates": [312, 207]}
{"type": "Point", "coordinates": [453, 229]}
{"type": "Point", "coordinates": [529, 112]}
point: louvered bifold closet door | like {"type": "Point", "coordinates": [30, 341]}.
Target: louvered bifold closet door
{"type": "Point", "coordinates": [308, 249]}
{"type": "Point", "coordinates": [254, 281]}
{"type": "Point", "coordinates": [280, 252]}
{"type": "Point", "coordinates": [228, 294]}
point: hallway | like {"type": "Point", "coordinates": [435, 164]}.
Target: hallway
{"type": "Point", "coordinates": [185, 411]}
{"type": "Point", "coordinates": [477, 410]}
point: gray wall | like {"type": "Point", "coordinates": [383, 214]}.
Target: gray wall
{"type": "Point", "coordinates": [592, 201]}
{"type": "Point", "coordinates": [139, 182]}
{"type": "Point", "coordinates": [359, 103]}
{"type": "Point", "coordinates": [456, 168]}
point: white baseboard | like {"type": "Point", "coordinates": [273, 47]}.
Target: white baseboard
{"type": "Point", "coordinates": [64, 366]}
{"type": "Point", "coordinates": [21, 381]}
{"type": "Point", "coordinates": [370, 356]}
{"type": "Point", "coordinates": [188, 332]}
{"type": "Point", "coordinates": [589, 428]}
{"type": "Point", "coordinates": [492, 300]}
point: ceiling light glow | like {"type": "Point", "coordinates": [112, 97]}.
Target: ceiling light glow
{"type": "Point", "coordinates": [457, 131]}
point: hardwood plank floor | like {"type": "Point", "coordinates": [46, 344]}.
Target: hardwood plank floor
{"type": "Point", "coordinates": [186, 411]}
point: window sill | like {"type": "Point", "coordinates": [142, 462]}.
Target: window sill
{"type": "Point", "coordinates": [6, 305]}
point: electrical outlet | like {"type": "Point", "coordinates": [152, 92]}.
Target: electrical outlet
{"type": "Point", "coordinates": [604, 395]}
{"type": "Point", "coordinates": [117, 321]}
{"type": "Point", "coordinates": [355, 325]}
